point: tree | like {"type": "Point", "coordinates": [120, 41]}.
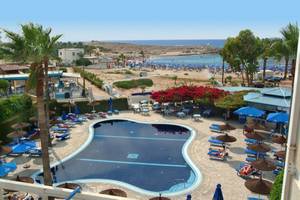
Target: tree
{"type": "Point", "coordinates": [277, 187]}
{"type": "Point", "coordinates": [230, 54]}
{"type": "Point", "coordinates": [83, 62]}
{"type": "Point", "coordinates": [248, 52]}
{"type": "Point", "coordinates": [175, 78]}
{"type": "Point", "coordinates": [267, 52]}
{"type": "Point", "coordinates": [122, 59]}
{"type": "Point", "coordinates": [4, 85]}
{"type": "Point", "coordinates": [33, 46]}
{"type": "Point", "coordinates": [242, 53]}
{"type": "Point", "coordinates": [290, 35]}
{"type": "Point", "coordinates": [142, 53]}
{"type": "Point", "coordinates": [223, 55]}
{"type": "Point", "coordinates": [231, 101]}
{"type": "Point", "coordinates": [281, 51]}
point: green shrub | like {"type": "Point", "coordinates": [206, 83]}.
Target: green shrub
{"type": "Point", "coordinates": [90, 77]}
{"type": "Point", "coordinates": [83, 62]}
{"type": "Point", "coordinates": [12, 110]}
{"type": "Point", "coordinates": [277, 187]}
{"type": "Point", "coordinates": [4, 85]}
{"type": "Point", "coordinates": [64, 69]}
{"type": "Point", "coordinates": [119, 104]}
{"type": "Point", "coordinates": [134, 83]}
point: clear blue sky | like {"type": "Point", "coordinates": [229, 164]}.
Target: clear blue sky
{"type": "Point", "coordinates": [151, 19]}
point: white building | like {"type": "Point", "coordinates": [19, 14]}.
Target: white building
{"type": "Point", "coordinates": [69, 55]}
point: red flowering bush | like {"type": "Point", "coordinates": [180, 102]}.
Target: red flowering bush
{"type": "Point", "coordinates": [187, 93]}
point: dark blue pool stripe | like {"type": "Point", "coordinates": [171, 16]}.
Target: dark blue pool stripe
{"type": "Point", "coordinates": [132, 163]}
{"type": "Point", "coordinates": [140, 138]}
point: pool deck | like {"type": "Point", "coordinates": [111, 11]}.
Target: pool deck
{"type": "Point", "coordinates": [213, 172]}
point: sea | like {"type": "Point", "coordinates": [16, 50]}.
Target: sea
{"type": "Point", "coordinates": [217, 43]}
{"type": "Point", "coordinates": [198, 61]}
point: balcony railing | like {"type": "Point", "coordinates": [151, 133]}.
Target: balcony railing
{"type": "Point", "coordinates": [47, 191]}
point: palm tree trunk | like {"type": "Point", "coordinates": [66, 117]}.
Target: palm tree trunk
{"type": "Point", "coordinates": [264, 70]}
{"type": "Point", "coordinates": [43, 127]}
{"type": "Point", "coordinates": [223, 70]}
{"type": "Point", "coordinates": [46, 63]}
{"type": "Point", "coordinates": [286, 68]}
{"type": "Point", "coordinates": [293, 68]}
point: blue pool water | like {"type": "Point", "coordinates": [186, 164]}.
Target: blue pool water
{"type": "Point", "coordinates": [146, 156]}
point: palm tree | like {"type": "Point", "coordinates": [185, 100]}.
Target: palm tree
{"type": "Point", "coordinates": [290, 35]}
{"type": "Point", "coordinates": [174, 78]}
{"type": "Point", "coordinates": [281, 51]}
{"type": "Point", "coordinates": [34, 46]}
{"type": "Point", "coordinates": [266, 53]}
{"type": "Point", "coordinates": [143, 56]}
{"type": "Point", "coordinates": [223, 54]}
{"type": "Point", "coordinates": [122, 59]}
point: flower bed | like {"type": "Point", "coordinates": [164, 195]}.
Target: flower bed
{"type": "Point", "coordinates": [187, 93]}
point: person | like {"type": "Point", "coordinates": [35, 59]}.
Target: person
{"type": "Point", "coordinates": [246, 170]}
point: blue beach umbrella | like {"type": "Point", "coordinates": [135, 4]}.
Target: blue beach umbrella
{"type": "Point", "coordinates": [249, 111]}
{"type": "Point", "coordinates": [110, 104]}
{"type": "Point", "coordinates": [278, 117]}
{"type": "Point", "coordinates": [7, 168]}
{"type": "Point", "coordinates": [218, 193]}
{"type": "Point", "coordinates": [23, 147]}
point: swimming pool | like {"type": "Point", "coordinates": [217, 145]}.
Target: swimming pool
{"type": "Point", "coordinates": [148, 158]}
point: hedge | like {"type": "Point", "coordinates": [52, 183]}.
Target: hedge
{"type": "Point", "coordinates": [90, 77]}
{"type": "Point", "coordinates": [134, 83]}
{"type": "Point", "coordinates": [277, 187]}
{"type": "Point", "coordinates": [118, 104]}
{"type": "Point", "coordinates": [14, 109]}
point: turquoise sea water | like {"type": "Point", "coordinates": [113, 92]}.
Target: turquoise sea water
{"type": "Point", "coordinates": [204, 60]}
{"type": "Point", "coordinates": [188, 60]}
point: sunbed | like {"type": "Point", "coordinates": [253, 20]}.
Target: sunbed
{"type": "Point", "coordinates": [251, 152]}
{"type": "Point", "coordinates": [250, 141]}
{"type": "Point", "coordinates": [216, 128]}
{"type": "Point", "coordinates": [6, 168]}
{"type": "Point", "coordinates": [58, 129]}
{"type": "Point", "coordinates": [251, 173]}
{"type": "Point", "coordinates": [216, 154]}
{"type": "Point", "coordinates": [63, 136]}
{"type": "Point", "coordinates": [37, 152]}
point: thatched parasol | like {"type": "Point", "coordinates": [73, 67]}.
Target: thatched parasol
{"type": "Point", "coordinates": [4, 150]}
{"type": "Point", "coordinates": [280, 154]}
{"type": "Point", "coordinates": [159, 198]}
{"type": "Point", "coordinates": [259, 147]}
{"type": "Point", "coordinates": [114, 192]}
{"type": "Point", "coordinates": [20, 125]}
{"type": "Point", "coordinates": [255, 136]}
{"type": "Point", "coordinates": [259, 186]}
{"type": "Point", "coordinates": [226, 138]}
{"type": "Point", "coordinates": [24, 179]}
{"type": "Point", "coordinates": [16, 134]}
{"type": "Point", "coordinates": [71, 186]}
{"type": "Point", "coordinates": [227, 127]}
{"type": "Point", "coordinates": [279, 139]}
{"type": "Point", "coordinates": [263, 165]}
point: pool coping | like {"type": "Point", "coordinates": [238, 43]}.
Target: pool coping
{"type": "Point", "coordinates": [198, 174]}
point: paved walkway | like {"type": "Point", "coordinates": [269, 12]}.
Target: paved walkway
{"type": "Point", "coordinates": [213, 172]}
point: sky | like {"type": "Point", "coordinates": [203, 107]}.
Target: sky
{"type": "Point", "coordinates": [85, 20]}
